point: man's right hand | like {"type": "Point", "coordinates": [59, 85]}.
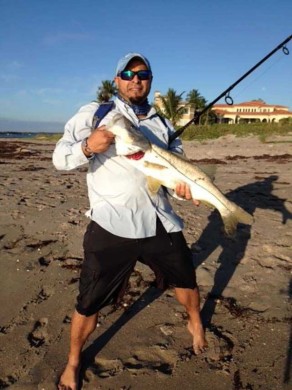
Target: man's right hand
{"type": "Point", "coordinates": [98, 141]}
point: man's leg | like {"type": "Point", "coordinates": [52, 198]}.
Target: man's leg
{"type": "Point", "coordinates": [81, 328]}
{"type": "Point", "coordinates": [190, 299]}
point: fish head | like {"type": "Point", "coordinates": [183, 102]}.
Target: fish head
{"type": "Point", "coordinates": [128, 139]}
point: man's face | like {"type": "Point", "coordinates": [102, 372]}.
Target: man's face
{"type": "Point", "coordinates": [135, 91]}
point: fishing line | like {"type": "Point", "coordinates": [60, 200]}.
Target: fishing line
{"type": "Point", "coordinates": [226, 93]}
{"type": "Point", "coordinates": [259, 76]}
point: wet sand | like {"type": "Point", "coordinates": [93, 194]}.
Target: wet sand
{"type": "Point", "coordinates": [245, 283]}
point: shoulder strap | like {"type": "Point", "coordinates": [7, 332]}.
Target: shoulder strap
{"type": "Point", "coordinates": [163, 120]}
{"type": "Point", "coordinates": [101, 112]}
{"type": "Point", "coordinates": [166, 125]}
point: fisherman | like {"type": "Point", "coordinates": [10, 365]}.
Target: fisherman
{"type": "Point", "coordinates": [127, 222]}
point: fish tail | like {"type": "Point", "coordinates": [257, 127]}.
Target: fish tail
{"type": "Point", "coordinates": [244, 216]}
{"type": "Point", "coordinates": [232, 218]}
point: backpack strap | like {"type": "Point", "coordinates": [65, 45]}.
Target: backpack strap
{"type": "Point", "coordinates": [163, 120]}
{"type": "Point", "coordinates": [101, 112]}
{"type": "Point", "coordinates": [166, 125]}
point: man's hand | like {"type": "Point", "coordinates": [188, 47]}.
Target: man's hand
{"type": "Point", "coordinates": [99, 140]}
{"type": "Point", "coordinates": [183, 191]}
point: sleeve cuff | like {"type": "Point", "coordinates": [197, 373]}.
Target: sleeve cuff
{"type": "Point", "coordinates": [78, 152]}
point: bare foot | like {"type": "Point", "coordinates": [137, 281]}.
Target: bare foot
{"type": "Point", "coordinates": [69, 378]}
{"type": "Point", "coordinates": [199, 341]}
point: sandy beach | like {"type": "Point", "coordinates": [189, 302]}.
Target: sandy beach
{"type": "Point", "coordinates": [245, 283]}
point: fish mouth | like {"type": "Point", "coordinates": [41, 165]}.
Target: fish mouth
{"type": "Point", "coordinates": [136, 156]}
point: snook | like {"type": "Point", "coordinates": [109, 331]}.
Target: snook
{"type": "Point", "coordinates": [163, 167]}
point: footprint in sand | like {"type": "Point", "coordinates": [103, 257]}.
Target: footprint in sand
{"type": "Point", "coordinates": [39, 335]}
{"type": "Point", "coordinates": [103, 368]}
{"type": "Point", "coordinates": [220, 349]}
{"type": "Point", "coordinates": [154, 358]}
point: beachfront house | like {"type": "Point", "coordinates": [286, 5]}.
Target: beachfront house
{"type": "Point", "coordinates": [250, 112]}
{"type": "Point", "coordinates": [246, 112]}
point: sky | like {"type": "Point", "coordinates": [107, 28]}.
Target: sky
{"type": "Point", "coordinates": [55, 53]}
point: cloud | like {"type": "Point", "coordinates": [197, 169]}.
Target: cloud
{"type": "Point", "coordinates": [14, 65]}
{"type": "Point", "coordinates": [22, 92]}
{"type": "Point", "coordinates": [9, 77]}
{"type": "Point", "coordinates": [10, 69]}
{"type": "Point", "coordinates": [52, 102]}
{"type": "Point", "coordinates": [48, 91]}
{"type": "Point", "coordinates": [53, 39]}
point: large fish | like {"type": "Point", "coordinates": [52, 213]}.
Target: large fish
{"type": "Point", "coordinates": [165, 168]}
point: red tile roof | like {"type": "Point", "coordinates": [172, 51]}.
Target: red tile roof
{"type": "Point", "coordinates": [253, 103]}
{"type": "Point", "coordinates": [271, 113]}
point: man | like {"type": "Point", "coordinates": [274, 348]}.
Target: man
{"type": "Point", "coordinates": [127, 223]}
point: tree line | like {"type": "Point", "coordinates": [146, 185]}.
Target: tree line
{"type": "Point", "coordinates": [172, 104]}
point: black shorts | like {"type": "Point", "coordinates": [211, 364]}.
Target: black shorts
{"type": "Point", "coordinates": [109, 261]}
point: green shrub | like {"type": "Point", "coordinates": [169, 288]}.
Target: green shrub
{"type": "Point", "coordinates": [47, 137]}
{"type": "Point", "coordinates": [262, 130]}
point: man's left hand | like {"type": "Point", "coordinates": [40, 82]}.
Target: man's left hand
{"type": "Point", "coordinates": [183, 191]}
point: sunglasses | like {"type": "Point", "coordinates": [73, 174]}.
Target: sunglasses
{"type": "Point", "coordinates": [129, 74]}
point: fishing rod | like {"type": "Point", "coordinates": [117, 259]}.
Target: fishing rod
{"type": "Point", "coordinates": [228, 98]}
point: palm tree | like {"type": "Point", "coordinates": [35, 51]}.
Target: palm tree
{"type": "Point", "coordinates": [170, 106]}
{"type": "Point", "coordinates": [196, 100]}
{"type": "Point", "coordinates": [198, 103]}
{"type": "Point", "coordinates": [106, 91]}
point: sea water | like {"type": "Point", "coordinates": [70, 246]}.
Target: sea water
{"type": "Point", "coordinates": [16, 134]}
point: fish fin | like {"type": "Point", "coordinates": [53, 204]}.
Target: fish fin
{"type": "Point", "coordinates": [207, 204]}
{"type": "Point", "coordinates": [244, 216]}
{"type": "Point", "coordinates": [151, 165]}
{"type": "Point", "coordinates": [230, 224]}
{"type": "Point", "coordinates": [232, 218]}
{"type": "Point", "coordinates": [153, 185]}
{"type": "Point", "coordinates": [209, 170]}
{"type": "Point", "coordinates": [180, 155]}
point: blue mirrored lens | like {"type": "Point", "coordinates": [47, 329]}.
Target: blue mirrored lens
{"type": "Point", "coordinates": [129, 74]}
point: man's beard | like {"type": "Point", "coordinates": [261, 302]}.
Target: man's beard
{"type": "Point", "coordinates": [137, 101]}
{"type": "Point", "coordinates": [139, 105]}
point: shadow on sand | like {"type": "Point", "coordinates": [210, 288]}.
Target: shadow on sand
{"type": "Point", "coordinates": [250, 197]}
{"type": "Point", "coordinates": [88, 355]}
{"type": "Point", "coordinates": [288, 367]}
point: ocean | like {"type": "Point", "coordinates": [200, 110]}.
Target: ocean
{"type": "Point", "coordinates": [19, 134]}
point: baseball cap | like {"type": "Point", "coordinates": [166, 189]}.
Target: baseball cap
{"type": "Point", "coordinates": [123, 62]}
